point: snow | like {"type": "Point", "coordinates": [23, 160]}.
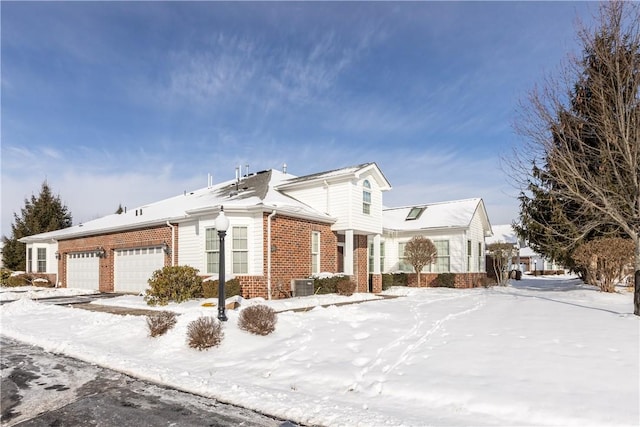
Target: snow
{"type": "Point", "coordinates": [35, 292]}
{"type": "Point", "coordinates": [456, 213]}
{"type": "Point", "coordinates": [542, 351]}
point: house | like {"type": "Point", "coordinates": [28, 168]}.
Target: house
{"type": "Point", "coordinates": [457, 228]}
{"type": "Point", "coordinates": [282, 228]}
{"type": "Point", "coordinates": [525, 258]}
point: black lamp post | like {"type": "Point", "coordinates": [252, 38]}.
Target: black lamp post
{"type": "Point", "coordinates": [222, 225]}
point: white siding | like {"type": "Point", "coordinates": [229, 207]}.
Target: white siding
{"type": "Point", "coordinates": [476, 235]}
{"type": "Point", "coordinates": [192, 242]}
{"type": "Point", "coordinates": [457, 249]}
{"type": "Point", "coordinates": [51, 261]}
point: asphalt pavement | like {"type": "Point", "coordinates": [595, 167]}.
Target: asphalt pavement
{"type": "Point", "coordinates": [44, 389]}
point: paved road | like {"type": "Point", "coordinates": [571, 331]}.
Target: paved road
{"type": "Point", "coordinates": [44, 389]}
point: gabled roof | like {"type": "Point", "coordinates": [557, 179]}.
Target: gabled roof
{"type": "Point", "coordinates": [350, 172]}
{"type": "Point", "coordinates": [453, 214]}
{"type": "Point", "coordinates": [503, 233]}
{"type": "Point", "coordinates": [256, 191]}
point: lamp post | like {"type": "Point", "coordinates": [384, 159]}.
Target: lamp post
{"type": "Point", "coordinates": [222, 225]}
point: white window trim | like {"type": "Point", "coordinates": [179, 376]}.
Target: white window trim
{"type": "Point", "coordinates": [235, 250]}
{"type": "Point", "coordinates": [366, 194]}
{"type": "Point", "coordinates": [315, 252]}
{"type": "Point", "coordinates": [212, 252]}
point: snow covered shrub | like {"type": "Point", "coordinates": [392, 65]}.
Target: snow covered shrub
{"type": "Point", "coordinates": [204, 332]}
{"type": "Point", "coordinates": [446, 280]}
{"type": "Point", "coordinates": [28, 279]}
{"type": "Point", "coordinates": [231, 288]}
{"type": "Point", "coordinates": [5, 274]}
{"type": "Point", "coordinates": [173, 283]}
{"type": "Point", "coordinates": [345, 287]}
{"type": "Point", "coordinates": [258, 319]}
{"type": "Point", "coordinates": [160, 323]}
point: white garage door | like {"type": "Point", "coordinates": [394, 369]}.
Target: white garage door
{"type": "Point", "coordinates": [83, 270]}
{"type": "Point", "coordinates": [134, 267]}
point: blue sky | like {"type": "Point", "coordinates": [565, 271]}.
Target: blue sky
{"type": "Point", "coordinates": [120, 102]}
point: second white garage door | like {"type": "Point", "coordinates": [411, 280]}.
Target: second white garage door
{"type": "Point", "coordinates": [134, 267]}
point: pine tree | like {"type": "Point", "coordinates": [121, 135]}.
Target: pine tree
{"type": "Point", "coordinates": [39, 215]}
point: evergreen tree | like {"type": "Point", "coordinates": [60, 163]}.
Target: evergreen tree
{"type": "Point", "coordinates": [39, 215]}
{"type": "Point", "coordinates": [119, 210]}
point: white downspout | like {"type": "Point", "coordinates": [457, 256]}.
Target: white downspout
{"type": "Point", "coordinates": [271, 215]}
{"type": "Point", "coordinates": [173, 242]}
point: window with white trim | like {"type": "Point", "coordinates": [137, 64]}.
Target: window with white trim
{"type": "Point", "coordinates": [480, 255]}
{"type": "Point", "coordinates": [371, 256]}
{"type": "Point", "coordinates": [30, 260]}
{"type": "Point", "coordinates": [212, 250]}
{"type": "Point", "coordinates": [443, 263]}
{"type": "Point", "coordinates": [403, 265]}
{"type": "Point", "coordinates": [42, 260]}
{"type": "Point", "coordinates": [469, 256]}
{"type": "Point", "coordinates": [240, 249]}
{"type": "Point", "coordinates": [315, 252]}
{"type": "Point", "coordinates": [366, 197]}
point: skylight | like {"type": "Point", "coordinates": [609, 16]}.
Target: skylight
{"type": "Point", "coordinates": [415, 213]}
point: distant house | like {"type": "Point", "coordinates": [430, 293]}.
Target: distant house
{"type": "Point", "coordinates": [282, 228]}
{"type": "Point", "coordinates": [525, 258]}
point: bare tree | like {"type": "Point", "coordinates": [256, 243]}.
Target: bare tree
{"type": "Point", "coordinates": [420, 252]}
{"type": "Point", "coordinates": [605, 260]}
{"type": "Point", "coordinates": [583, 136]}
{"type": "Point", "coordinates": [501, 253]}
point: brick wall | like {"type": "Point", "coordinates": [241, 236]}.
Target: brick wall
{"type": "Point", "coordinates": [361, 263]}
{"type": "Point", "coordinates": [149, 236]}
{"type": "Point", "coordinates": [290, 256]}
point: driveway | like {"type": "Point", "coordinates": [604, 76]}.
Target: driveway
{"type": "Point", "coordinates": [45, 389]}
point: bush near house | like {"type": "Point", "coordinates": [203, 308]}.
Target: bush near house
{"type": "Point", "coordinates": [5, 274]}
{"type": "Point", "coordinates": [174, 283]}
{"type": "Point", "coordinates": [332, 285]}
{"type": "Point", "coordinates": [231, 288]}
{"type": "Point", "coordinates": [258, 319]}
{"type": "Point", "coordinates": [346, 287]}
{"type": "Point", "coordinates": [445, 280]}
{"type": "Point", "coordinates": [394, 279]}
{"type": "Point", "coordinates": [25, 279]}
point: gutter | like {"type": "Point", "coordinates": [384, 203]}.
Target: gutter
{"type": "Point", "coordinates": [271, 215]}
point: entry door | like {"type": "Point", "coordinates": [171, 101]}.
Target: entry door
{"type": "Point", "coordinates": [134, 267]}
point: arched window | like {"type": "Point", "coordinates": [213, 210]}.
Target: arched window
{"type": "Point", "coordinates": [366, 197]}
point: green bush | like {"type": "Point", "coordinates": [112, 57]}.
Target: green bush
{"type": "Point", "coordinates": [345, 287]}
{"type": "Point", "coordinates": [204, 332]}
{"type": "Point", "coordinates": [394, 279]}
{"type": "Point", "coordinates": [174, 283]}
{"type": "Point", "coordinates": [258, 319]}
{"type": "Point", "coordinates": [5, 274]}
{"type": "Point", "coordinates": [28, 279]}
{"type": "Point", "coordinates": [159, 323]}
{"type": "Point", "coordinates": [446, 280]}
{"type": "Point", "coordinates": [231, 288]}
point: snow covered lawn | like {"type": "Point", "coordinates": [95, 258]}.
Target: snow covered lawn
{"type": "Point", "coordinates": [36, 292]}
{"type": "Point", "coordinates": [544, 351]}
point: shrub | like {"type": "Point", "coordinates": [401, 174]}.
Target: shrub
{"type": "Point", "coordinates": [485, 282]}
{"type": "Point", "coordinates": [231, 288]}
{"type": "Point", "coordinates": [446, 280]}
{"type": "Point", "coordinates": [160, 323]}
{"type": "Point", "coordinates": [345, 287]}
{"type": "Point", "coordinates": [258, 319]}
{"type": "Point", "coordinates": [204, 332]}
{"type": "Point", "coordinates": [5, 274]}
{"type": "Point", "coordinates": [394, 279]}
{"type": "Point", "coordinates": [326, 285]}
{"type": "Point", "coordinates": [174, 283]}
{"type": "Point", "coordinates": [28, 279]}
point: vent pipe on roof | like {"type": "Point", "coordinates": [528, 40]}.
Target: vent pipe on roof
{"type": "Point", "coordinates": [284, 168]}
{"type": "Point", "coordinates": [246, 168]}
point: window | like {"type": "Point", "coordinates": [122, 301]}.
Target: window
{"type": "Point", "coordinates": [480, 254]}
{"type": "Point", "coordinates": [240, 250]}
{"type": "Point", "coordinates": [42, 260]}
{"type": "Point", "coordinates": [366, 197]}
{"type": "Point", "coordinates": [414, 213]}
{"type": "Point", "coordinates": [29, 260]}
{"type": "Point", "coordinates": [469, 257]}
{"type": "Point", "coordinates": [315, 252]}
{"type": "Point", "coordinates": [442, 264]}
{"type": "Point", "coordinates": [212, 250]}
{"type": "Point", "coordinates": [371, 256]}
{"type": "Point", "coordinates": [403, 265]}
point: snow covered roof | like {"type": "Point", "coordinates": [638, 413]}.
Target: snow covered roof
{"type": "Point", "coordinates": [344, 173]}
{"type": "Point", "coordinates": [257, 191]}
{"type": "Point", "coordinates": [452, 214]}
{"type": "Point", "coordinates": [503, 233]}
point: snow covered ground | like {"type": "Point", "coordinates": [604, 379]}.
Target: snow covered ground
{"type": "Point", "coordinates": [36, 292]}
{"type": "Point", "coordinates": [543, 351]}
